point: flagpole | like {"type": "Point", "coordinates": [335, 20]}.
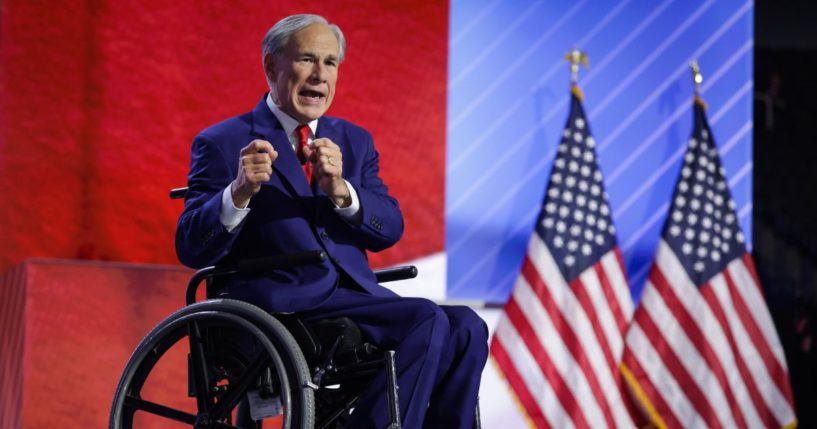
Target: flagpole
{"type": "Point", "coordinates": [697, 80]}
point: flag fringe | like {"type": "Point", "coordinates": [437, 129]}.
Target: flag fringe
{"type": "Point", "coordinates": [646, 405]}
{"type": "Point", "coordinates": [522, 410]}
{"type": "Point", "coordinates": [791, 425]}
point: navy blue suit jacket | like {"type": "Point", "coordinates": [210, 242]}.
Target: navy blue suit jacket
{"type": "Point", "coordinates": [286, 216]}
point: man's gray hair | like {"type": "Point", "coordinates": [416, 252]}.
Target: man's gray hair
{"type": "Point", "coordinates": [278, 36]}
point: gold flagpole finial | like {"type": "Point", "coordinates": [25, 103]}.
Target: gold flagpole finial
{"type": "Point", "coordinates": [576, 57]}
{"type": "Point", "coordinates": [697, 77]}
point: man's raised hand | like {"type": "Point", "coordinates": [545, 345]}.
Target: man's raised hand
{"type": "Point", "coordinates": [254, 168]}
{"type": "Point", "coordinates": [327, 165]}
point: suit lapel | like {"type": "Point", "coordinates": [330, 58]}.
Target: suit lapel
{"type": "Point", "coordinates": [266, 126]}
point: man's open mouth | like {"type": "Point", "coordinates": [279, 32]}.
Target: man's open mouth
{"type": "Point", "coordinates": [308, 93]}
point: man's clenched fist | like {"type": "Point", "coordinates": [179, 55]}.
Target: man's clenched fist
{"type": "Point", "coordinates": [254, 168]}
{"type": "Point", "coordinates": [327, 167]}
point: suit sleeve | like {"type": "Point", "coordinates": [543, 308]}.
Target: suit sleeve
{"type": "Point", "coordinates": [201, 239]}
{"type": "Point", "coordinates": [381, 219]}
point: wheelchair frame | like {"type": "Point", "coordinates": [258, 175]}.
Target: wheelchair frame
{"type": "Point", "coordinates": [216, 403]}
{"type": "Point", "coordinates": [220, 381]}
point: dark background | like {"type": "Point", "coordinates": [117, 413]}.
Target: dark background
{"type": "Point", "coordinates": [785, 177]}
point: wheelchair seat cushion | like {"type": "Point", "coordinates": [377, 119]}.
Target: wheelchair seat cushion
{"type": "Point", "coordinates": [318, 338]}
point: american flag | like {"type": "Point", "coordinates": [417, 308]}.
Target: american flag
{"type": "Point", "coordinates": [702, 350]}
{"type": "Point", "coordinates": [560, 339]}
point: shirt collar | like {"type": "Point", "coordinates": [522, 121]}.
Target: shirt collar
{"type": "Point", "coordinates": [288, 122]}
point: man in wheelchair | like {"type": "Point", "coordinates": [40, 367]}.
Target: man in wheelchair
{"type": "Point", "coordinates": [283, 179]}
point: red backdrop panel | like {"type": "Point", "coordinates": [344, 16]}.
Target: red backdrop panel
{"type": "Point", "coordinates": [99, 101]}
{"type": "Point", "coordinates": [74, 328]}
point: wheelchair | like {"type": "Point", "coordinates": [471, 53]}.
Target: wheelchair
{"type": "Point", "coordinates": [305, 374]}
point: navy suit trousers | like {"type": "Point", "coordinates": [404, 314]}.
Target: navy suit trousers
{"type": "Point", "coordinates": [440, 352]}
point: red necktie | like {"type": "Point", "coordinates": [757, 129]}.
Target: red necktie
{"type": "Point", "coordinates": [303, 139]}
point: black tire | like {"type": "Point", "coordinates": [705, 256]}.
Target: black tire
{"type": "Point", "coordinates": [231, 366]}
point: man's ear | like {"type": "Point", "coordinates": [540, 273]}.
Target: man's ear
{"type": "Point", "coordinates": [269, 67]}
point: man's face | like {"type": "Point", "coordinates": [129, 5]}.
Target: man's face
{"type": "Point", "coordinates": [304, 73]}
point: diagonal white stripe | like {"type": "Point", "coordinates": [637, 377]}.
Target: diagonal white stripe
{"type": "Point", "coordinates": [618, 281]}
{"type": "Point", "coordinates": [640, 274]}
{"type": "Point", "coordinates": [734, 99]}
{"type": "Point", "coordinates": [671, 161]}
{"type": "Point", "coordinates": [654, 54]}
{"type": "Point", "coordinates": [624, 165]}
{"type": "Point", "coordinates": [578, 319]}
{"type": "Point", "coordinates": [757, 369]}
{"type": "Point", "coordinates": [560, 105]}
{"type": "Point", "coordinates": [681, 69]}
{"type": "Point", "coordinates": [749, 292]}
{"type": "Point", "coordinates": [523, 223]}
{"type": "Point", "coordinates": [745, 211]}
{"type": "Point", "coordinates": [524, 57]}
{"type": "Point", "coordinates": [719, 288]}
{"type": "Point", "coordinates": [474, 23]}
{"type": "Point", "coordinates": [646, 226]}
{"type": "Point", "coordinates": [502, 202]}
{"type": "Point", "coordinates": [563, 360]}
{"type": "Point", "coordinates": [602, 311]}
{"type": "Point", "coordinates": [702, 314]}
{"type": "Point", "coordinates": [485, 52]}
{"type": "Point", "coordinates": [743, 172]}
{"type": "Point", "coordinates": [529, 371]}
{"type": "Point", "coordinates": [685, 349]}
{"type": "Point", "coordinates": [598, 69]}
{"type": "Point", "coordinates": [659, 376]}
{"type": "Point", "coordinates": [730, 144]}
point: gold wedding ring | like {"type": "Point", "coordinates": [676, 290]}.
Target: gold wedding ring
{"type": "Point", "coordinates": [329, 160]}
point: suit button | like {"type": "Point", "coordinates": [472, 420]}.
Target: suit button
{"type": "Point", "coordinates": [335, 260]}
{"type": "Point", "coordinates": [324, 235]}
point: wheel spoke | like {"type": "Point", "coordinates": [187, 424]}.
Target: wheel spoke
{"type": "Point", "coordinates": [159, 410]}
{"type": "Point", "coordinates": [221, 370]}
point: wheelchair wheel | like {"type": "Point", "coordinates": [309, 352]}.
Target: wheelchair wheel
{"type": "Point", "coordinates": [232, 347]}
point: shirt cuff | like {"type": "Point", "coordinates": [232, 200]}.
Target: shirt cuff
{"type": "Point", "coordinates": [351, 213]}
{"type": "Point", "coordinates": [230, 215]}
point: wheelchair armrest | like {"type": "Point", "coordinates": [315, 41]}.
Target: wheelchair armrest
{"type": "Point", "coordinates": [252, 266]}
{"type": "Point", "coordinates": [178, 193]}
{"type": "Point", "coordinates": [396, 273]}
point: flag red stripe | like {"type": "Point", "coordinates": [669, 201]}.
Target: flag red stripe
{"type": "Point", "coordinates": [612, 301]}
{"type": "Point", "coordinates": [754, 394]}
{"type": "Point", "coordinates": [657, 400]}
{"type": "Point", "coordinates": [674, 366]}
{"type": "Point", "coordinates": [776, 370]}
{"type": "Point", "coordinates": [580, 290]}
{"type": "Point", "coordinates": [784, 385]}
{"type": "Point", "coordinates": [701, 341]}
{"type": "Point", "coordinates": [517, 383]}
{"type": "Point", "coordinates": [557, 383]}
{"type": "Point", "coordinates": [571, 341]}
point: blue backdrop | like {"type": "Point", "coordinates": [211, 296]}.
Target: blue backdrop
{"type": "Point", "coordinates": [508, 98]}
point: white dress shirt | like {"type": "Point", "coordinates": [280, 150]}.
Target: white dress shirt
{"type": "Point", "coordinates": [232, 216]}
